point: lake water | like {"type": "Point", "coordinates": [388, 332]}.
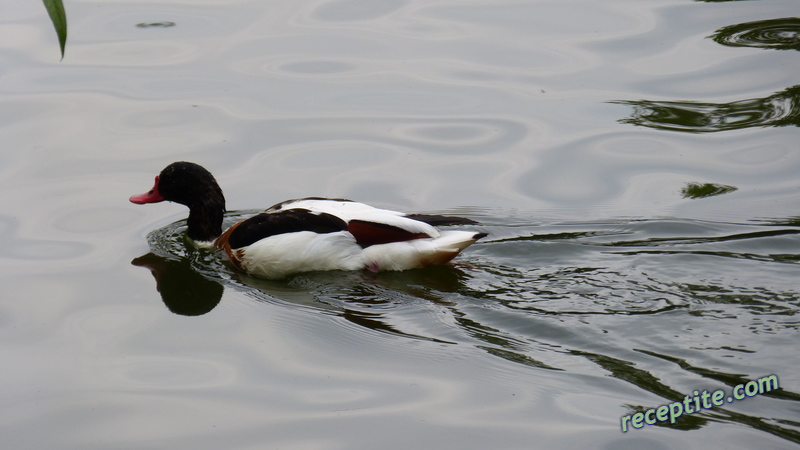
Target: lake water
{"type": "Point", "coordinates": [634, 163]}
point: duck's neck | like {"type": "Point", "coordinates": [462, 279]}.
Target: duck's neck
{"type": "Point", "coordinates": [205, 219]}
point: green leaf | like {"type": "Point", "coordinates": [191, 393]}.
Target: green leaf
{"type": "Point", "coordinates": [55, 8]}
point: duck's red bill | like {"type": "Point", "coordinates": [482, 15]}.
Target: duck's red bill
{"type": "Point", "coordinates": [152, 196]}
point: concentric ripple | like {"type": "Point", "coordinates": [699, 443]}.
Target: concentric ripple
{"type": "Point", "coordinates": [778, 34]}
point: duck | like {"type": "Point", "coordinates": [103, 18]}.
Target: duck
{"type": "Point", "coordinates": [308, 234]}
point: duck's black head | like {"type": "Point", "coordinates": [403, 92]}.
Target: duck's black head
{"type": "Point", "coordinates": [192, 185]}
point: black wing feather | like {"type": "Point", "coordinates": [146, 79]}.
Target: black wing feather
{"type": "Point", "coordinates": [436, 220]}
{"type": "Point", "coordinates": [277, 222]}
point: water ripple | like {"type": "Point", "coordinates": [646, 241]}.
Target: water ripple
{"type": "Point", "coordinates": [356, 10]}
{"type": "Point", "coordinates": [15, 247]}
{"type": "Point", "coordinates": [317, 67]}
{"type": "Point", "coordinates": [572, 270]}
{"type": "Point", "coordinates": [777, 34]}
{"type": "Point", "coordinates": [463, 136]}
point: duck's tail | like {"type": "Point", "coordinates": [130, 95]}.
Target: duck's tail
{"type": "Point", "coordinates": [419, 252]}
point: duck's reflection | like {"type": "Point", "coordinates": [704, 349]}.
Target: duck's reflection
{"type": "Point", "coordinates": [183, 290]}
{"type": "Point", "coordinates": [187, 291]}
{"type": "Point", "coordinates": [354, 296]}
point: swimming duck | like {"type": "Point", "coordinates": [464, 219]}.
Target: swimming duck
{"type": "Point", "coordinates": [308, 234]}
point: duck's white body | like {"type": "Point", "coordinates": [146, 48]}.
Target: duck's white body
{"type": "Point", "coordinates": [309, 234]}
{"type": "Point", "coordinates": [302, 251]}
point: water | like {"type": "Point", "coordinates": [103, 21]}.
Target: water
{"type": "Point", "coordinates": [634, 163]}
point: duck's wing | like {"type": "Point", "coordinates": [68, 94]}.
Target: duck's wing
{"type": "Point", "coordinates": [437, 220]}
{"type": "Point", "coordinates": [369, 225]}
{"type": "Point", "coordinates": [274, 223]}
